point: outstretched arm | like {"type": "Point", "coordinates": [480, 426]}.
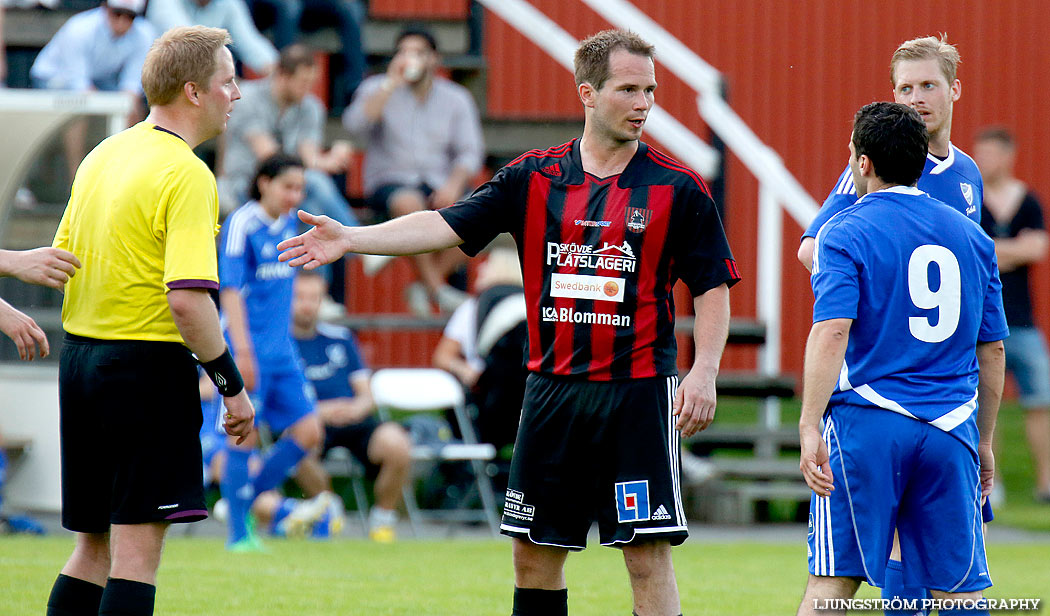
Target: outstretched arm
{"type": "Point", "coordinates": [49, 267]}
{"type": "Point", "coordinates": [328, 240]}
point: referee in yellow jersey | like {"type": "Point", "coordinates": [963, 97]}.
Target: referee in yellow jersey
{"type": "Point", "coordinates": [142, 219]}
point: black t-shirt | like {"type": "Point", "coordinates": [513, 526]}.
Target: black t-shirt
{"type": "Point", "coordinates": [600, 256]}
{"type": "Point", "coordinates": [1017, 299]}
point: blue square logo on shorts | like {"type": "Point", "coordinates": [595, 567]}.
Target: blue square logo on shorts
{"type": "Point", "coordinates": [632, 501]}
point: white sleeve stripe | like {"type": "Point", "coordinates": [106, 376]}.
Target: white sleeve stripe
{"type": "Point", "coordinates": [842, 181]}
{"type": "Point", "coordinates": [237, 233]}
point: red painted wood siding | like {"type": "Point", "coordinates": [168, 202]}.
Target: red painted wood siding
{"type": "Point", "coordinates": [418, 9]}
{"type": "Point", "coordinates": [796, 72]}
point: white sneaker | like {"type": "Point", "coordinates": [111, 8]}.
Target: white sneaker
{"type": "Point", "coordinates": [373, 263]}
{"type": "Point", "coordinates": [696, 470]}
{"type": "Point", "coordinates": [221, 510]}
{"type": "Point", "coordinates": [301, 520]}
{"type": "Point", "coordinates": [336, 512]}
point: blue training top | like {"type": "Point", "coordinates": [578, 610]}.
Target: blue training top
{"type": "Point", "coordinates": [956, 180]}
{"type": "Point", "coordinates": [921, 284]}
{"type": "Point", "coordinates": [248, 262]}
{"type": "Point", "coordinates": [330, 358]}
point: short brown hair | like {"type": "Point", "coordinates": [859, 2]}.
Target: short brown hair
{"type": "Point", "coordinates": [927, 48]}
{"type": "Point", "coordinates": [591, 62]}
{"type": "Point", "coordinates": [294, 57]}
{"type": "Point", "coordinates": [997, 133]}
{"type": "Point", "coordinates": [179, 56]}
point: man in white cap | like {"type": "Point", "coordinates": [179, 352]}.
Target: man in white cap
{"type": "Point", "coordinates": [99, 49]}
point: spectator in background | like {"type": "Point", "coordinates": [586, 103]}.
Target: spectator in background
{"type": "Point", "coordinates": [1013, 217]}
{"type": "Point", "coordinates": [477, 347]}
{"type": "Point", "coordinates": [249, 47]}
{"type": "Point", "coordinates": [99, 49]}
{"type": "Point", "coordinates": [280, 114]}
{"type": "Point", "coordinates": [344, 401]}
{"type": "Point", "coordinates": [291, 17]}
{"type": "Point", "coordinates": [424, 145]}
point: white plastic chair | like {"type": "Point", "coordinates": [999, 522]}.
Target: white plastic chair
{"type": "Point", "coordinates": [427, 390]}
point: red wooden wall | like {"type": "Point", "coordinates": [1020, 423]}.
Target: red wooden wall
{"type": "Point", "coordinates": [796, 72]}
{"type": "Point", "coordinates": [419, 9]}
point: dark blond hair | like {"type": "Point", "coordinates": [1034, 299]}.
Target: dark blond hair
{"type": "Point", "coordinates": [179, 56]}
{"type": "Point", "coordinates": [591, 62]}
{"type": "Point", "coordinates": [927, 48]}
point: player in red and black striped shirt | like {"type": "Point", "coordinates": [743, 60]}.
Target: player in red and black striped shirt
{"type": "Point", "coordinates": [605, 226]}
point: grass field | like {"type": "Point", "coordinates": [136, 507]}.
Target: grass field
{"type": "Point", "coordinates": [1012, 459]}
{"type": "Point", "coordinates": [474, 577]}
{"type": "Point", "coordinates": [452, 578]}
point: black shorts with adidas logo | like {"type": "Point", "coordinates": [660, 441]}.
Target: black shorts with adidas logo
{"type": "Point", "coordinates": [603, 451]}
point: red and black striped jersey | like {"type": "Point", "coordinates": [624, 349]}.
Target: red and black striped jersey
{"type": "Point", "coordinates": [600, 256]}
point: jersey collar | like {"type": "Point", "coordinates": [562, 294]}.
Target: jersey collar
{"type": "Point", "coordinates": [941, 165]}
{"type": "Point", "coordinates": [578, 176]}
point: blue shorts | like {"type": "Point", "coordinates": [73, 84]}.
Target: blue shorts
{"type": "Point", "coordinates": [281, 398]}
{"type": "Point", "coordinates": [894, 472]}
{"type": "Point", "coordinates": [1027, 360]}
{"type": "Point", "coordinates": [213, 436]}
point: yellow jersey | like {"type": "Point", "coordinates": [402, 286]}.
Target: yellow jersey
{"type": "Point", "coordinates": [142, 219]}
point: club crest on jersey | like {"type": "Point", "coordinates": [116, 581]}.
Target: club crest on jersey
{"type": "Point", "coordinates": [967, 191]}
{"type": "Point", "coordinates": [632, 501]}
{"type": "Point", "coordinates": [637, 218]}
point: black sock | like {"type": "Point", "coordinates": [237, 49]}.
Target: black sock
{"type": "Point", "coordinates": [538, 602]}
{"type": "Point", "coordinates": [72, 596]}
{"type": "Point", "coordinates": [127, 598]}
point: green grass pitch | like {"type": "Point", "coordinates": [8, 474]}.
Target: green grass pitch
{"type": "Point", "coordinates": [452, 578]}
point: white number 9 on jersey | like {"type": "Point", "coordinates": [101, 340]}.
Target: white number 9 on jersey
{"type": "Point", "coordinates": [946, 299]}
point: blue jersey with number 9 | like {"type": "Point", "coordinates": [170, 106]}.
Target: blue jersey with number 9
{"type": "Point", "coordinates": [921, 283]}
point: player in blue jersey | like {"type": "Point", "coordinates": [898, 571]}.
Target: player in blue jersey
{"type": "Point", "coordinates": [905, 363]}
{"type": "Point", "coordinates": [344, 401]}
{"type": "Point", "coordinates": [923, 73]}
{"type": "Point", "coordinates": [256, 300]}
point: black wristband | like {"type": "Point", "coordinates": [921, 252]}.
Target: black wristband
{"type": "Point", "coordinates": [224, 373]}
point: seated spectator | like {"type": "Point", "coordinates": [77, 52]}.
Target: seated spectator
{"type": "Point", "coordinates": [291, 17]}
{"type": "Point", "coordinates": [99, 49]}
{"type": "Point", "coordinates": [344, 401]}
{"type": "Point", "coordinates": [500, 342]}
{"type": "Point", "coordinates": [280, 114]}
{"type": "Point", "coordinates": [249, 46]}
{"type": "Point", "coordinates": [424, 145]}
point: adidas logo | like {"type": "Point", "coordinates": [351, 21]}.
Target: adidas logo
{"type": "Point", "coordinates": [554, 169]}
{"type": "Point", "coordinates": [661, 514]}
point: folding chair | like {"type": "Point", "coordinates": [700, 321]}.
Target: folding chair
{"type": "Point", "coordinates": [426, 390]}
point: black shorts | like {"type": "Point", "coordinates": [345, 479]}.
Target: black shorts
{"type": "Point", "coordinates": [595, 451]}
{"type": "Point", "coordinates": [354, 437]}
{"type": "Point", "coordinates": [130, 420]}
{"type": "Point", "coordinates": [379, 200]}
